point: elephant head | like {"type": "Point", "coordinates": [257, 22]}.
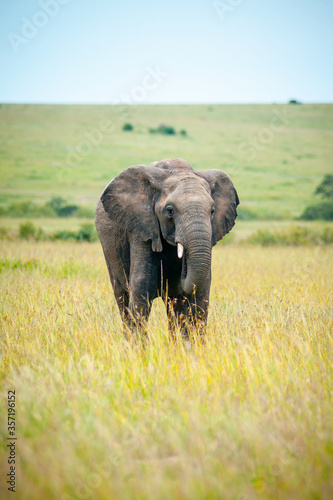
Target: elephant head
{"type": "Point", "coordinates": [168, 201]}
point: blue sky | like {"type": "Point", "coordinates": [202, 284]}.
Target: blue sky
{"type": "Point", "coordinates": [83, 51]}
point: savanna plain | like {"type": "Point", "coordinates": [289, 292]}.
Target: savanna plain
{"type": "Point", "coordinates": [246, 414]}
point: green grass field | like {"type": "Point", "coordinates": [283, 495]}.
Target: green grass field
{"type": "Point", "coordinates": [247, 415]}
{"type": "Point", "coordinates": [274, 163]}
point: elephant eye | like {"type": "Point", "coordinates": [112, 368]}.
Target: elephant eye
{"type": "Point", "coordinates": [168, 211]}
{"type": "Point", "coordinates": [212, 213]}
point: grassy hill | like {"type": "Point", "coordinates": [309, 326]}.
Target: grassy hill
{"type": "Point", "coordinates": [275, 154]}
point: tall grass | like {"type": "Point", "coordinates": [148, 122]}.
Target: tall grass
{"type": "Point", "coordinates": [246, 415]}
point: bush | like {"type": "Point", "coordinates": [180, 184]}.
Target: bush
{"type": "Point", "coordinates": [327, 235]}
{"type": "Point", "coordinates": [263, 238]}
{"type": "Point", "coordinates": [293, 236]}
{"type": "Point", "coordinates": [56, 207]}
{"type": "Point", "coordinates": [41, 235]}
{"type": "Point", "coordinates": [86, 232]}
{"type": "Point", "coordinates": [29, 209]}
{"type": "Point", "coordinates": [128, 127]}
{"type": "Point", "coordinates": [163, 129]}
{"type": "Point", "coordinates": [64, 235]}
{"type": "Point", "coordinates": [59, 206]}
{"type": "Point", "coordinates": [27, 230]}
{"type": "Point", "coordinates": [325, 188]}
{"type": "Point", "coordinates": [67, 211]}
{"type": "Point", "coordinates": [322, 210]}
{"type": "Point", "coordinates": [56, 203]}
{"type": "Point", "coordinates": [183, 133]}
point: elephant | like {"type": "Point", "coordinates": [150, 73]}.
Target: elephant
{"type": "Point", "coordinates": [157, 225]}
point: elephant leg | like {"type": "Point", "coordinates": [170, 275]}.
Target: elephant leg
{"type": "Point", "coordinates": [119, 277]}
{"type": "Point", "coordinates": [138, 310]}
{"type": "Point", "coordinates": [122, 297]}
{"type": "Point", "coordinates": [142, 285]}
{"type": "Point", "coordinates": [189, 312]}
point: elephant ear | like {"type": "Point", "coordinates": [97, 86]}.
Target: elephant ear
{"type": "Point", "coordinates": [129, 202]}
{"type": "Point", "coordinates": [226, 200]}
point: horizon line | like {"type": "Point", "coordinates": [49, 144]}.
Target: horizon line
{"type": "Point", "coordinates": [201, 103]}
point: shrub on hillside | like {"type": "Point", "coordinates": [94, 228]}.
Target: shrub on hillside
{"type": "Point", "coordinates": [87, 232]}
{"type": "Point", "coordinates": [40, 235]}
{"type": "Point", "coordinates": [323, 210]}
{"type": "Point", "coordinates": [325, 188]}
{"type": "Point", "coordinates": [163, 129]}
{"type": "Point", "coordinates": [128, 127]}
{"type": "Point", "coordinates": [292, 236]}
{"type": "Point", "coordinates": [27, 230]}
{"type": "Point", "coordinates": [56, 207]}
{"type": "Point", "coordinates": [28, 209]}
{"type": "Point", "coordinates": [61, 208]}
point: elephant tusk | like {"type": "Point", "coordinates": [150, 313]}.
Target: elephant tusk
{"type": "Point", "coordinates": [180, 250]}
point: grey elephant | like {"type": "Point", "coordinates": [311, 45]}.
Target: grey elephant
{"type": "Point", "coordinates": [157, 225]}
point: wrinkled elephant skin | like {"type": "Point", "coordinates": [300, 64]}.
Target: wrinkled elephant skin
{"type": "Point", "coordinates": [157, 225]}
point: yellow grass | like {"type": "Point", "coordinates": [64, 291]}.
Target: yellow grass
{"type": "Point", "coordinates": [247, 415]}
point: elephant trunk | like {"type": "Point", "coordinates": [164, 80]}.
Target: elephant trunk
{"type": "Point", "coordinates": [196, 259]}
